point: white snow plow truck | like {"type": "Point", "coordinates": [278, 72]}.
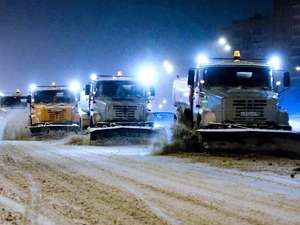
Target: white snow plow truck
{"type": "Point", "coordinates": [233, 104]}
{"type": "Point", "coordinates": [116, 110]}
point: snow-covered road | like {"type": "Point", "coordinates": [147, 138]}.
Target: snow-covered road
{"type": "Point", "coordinates": [49, 183]}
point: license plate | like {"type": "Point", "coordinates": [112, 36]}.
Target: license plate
{"type": "Point", "coordinates": [249, 114]}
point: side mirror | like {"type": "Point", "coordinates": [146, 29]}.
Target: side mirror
{"type": "Point", "coordinates": [152, 91]}
{"type": "Point", "coordinates": [191, 78]}
{"type": "Point", "coordinates": [29, 99]}
{"type": "Point", "coordinates": [286, 80]}
{"type": "Point", "coordinates": [87, 89]}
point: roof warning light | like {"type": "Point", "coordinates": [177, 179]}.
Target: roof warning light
{"type": "Point", "coordinates": [237, 55]}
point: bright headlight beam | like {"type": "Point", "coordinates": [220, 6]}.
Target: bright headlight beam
{"type": "Point", "coordinates": [93, 76]}
{"type": "Point", "coordinates": [32, 87]}
{"type": "Point", "coordinates": [202, 59]}
{"type": "Point", "coordinates": [278, 83]}
{"type": "Point", "coordinates": [146, 75]}
{"type": "Point", "coordinates": [75, 86]}
{"type": "Point", "coordinates": [275, 62]}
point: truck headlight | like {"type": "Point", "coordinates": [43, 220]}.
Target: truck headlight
{"type": "Point", "coordinates": [34, 119]}
{"type": "Point", "coordinates": [97, 117]}
{"type": "Point", "coordinates": [208, 118]}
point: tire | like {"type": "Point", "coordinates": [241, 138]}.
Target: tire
{"type": "Point", "coordinates": [188, 118]}
{"type": "Point", "coordinates": [198, 121]}
{"type": "Point", "coordinates": [83, 125]}
{"type": "Point", "coordinates": [91, 122]}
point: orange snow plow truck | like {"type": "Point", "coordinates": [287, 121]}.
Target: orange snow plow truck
{"type": "Point", "coordinates": [53, 108]}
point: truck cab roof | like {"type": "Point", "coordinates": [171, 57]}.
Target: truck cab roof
{"type": "Point", "coordinates": [47, 88]}
{"type": "Point", "coordinates": [231, 62]}
{"type": "Point", "coordinates": [115, 78]}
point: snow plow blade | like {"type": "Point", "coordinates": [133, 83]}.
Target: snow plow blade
{"type": "Point", "coordinates": [58, 130]}
{"type": "Point", "coordinates": [124, 135]}
{"type": "Point", "coordinates": [251, 140]}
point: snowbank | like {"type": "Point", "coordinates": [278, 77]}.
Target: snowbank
{"type": "Point", "coordinates": [14, 125]}
{"type": "Point", "coordinates": [295, 123]}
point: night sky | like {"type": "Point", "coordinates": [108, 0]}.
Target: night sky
{"type": "Point", "coordinates": [42, 41]}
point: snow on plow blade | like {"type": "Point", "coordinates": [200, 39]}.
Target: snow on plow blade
{"type": "Point", "coordinates": [124, 135]}
{"type": "Point", "coordinates": [254, 140]}
{"type": "Point", "coordinates": [53, 129]}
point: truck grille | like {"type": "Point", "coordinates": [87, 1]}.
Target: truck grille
{"type": "Point", "coordinates": [56, 116]}
{"type": "Point", "coordinates": [249, 111]}
{"type": "Point", "coordinates": [124, 112]}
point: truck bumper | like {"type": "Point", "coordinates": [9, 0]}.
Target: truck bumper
{"type": "Point", "coordinates": [46, 128]}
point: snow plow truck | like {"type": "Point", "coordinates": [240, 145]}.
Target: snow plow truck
{"type": "Point", "coordinates": [116, 110]}
{"type": "Point", "coordinates": [233, 104]}
{"type": "Point", "coordinates": [53, 108]}
{"type": "Point", "coordinates": [12, 101]}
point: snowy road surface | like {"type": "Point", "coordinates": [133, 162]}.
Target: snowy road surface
{"type": "Point", "coordinates": [43, 183]}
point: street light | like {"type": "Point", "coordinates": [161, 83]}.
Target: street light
{"type": "Point", "coordinates": [297, 68]}
{"type": "Point", "coordinates": [164, 101]}
{"type": "Point", "coordinates": [227, 48]}
{"type": "Point", "coordinates": [169, 68]}
{"type": "Point", "coordinates": [222, 41]}
{"type": "Point", "coordinates": [1, 94]}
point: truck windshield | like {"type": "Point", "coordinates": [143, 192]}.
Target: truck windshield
{"type": "Point", "coordinates": [54, 96]}
{"type": "Point", "coordinates": [237, 76]}
{"type": "Point", "coordinates": [119, 89]}
{"type": "Point", "coordinates": [14, 101]}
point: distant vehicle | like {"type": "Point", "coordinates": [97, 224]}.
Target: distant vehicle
{"type": "Point", "coordinates": [12, 101]}
{"type": "Point", "coordinates": [234, 101]}
{"type": "Point", "coordinates": [117, 106]}
{"type": "Point", "coordinates": [163, 119]}
{"type": "Point", "coordinates": [53, 108]}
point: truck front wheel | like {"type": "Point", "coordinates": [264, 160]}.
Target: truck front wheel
{"type": "Point", "coordinates": [187, 119]}
{"type": "Point", "coordinates": [198, 121]}
{"type": "Point", "coordinates": [84, 124]}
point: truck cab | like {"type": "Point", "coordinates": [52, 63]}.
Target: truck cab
{"type": "Point", "coordinates": [233, 93]}
{"type": "Point", "coordinates": [12, 101]}
{"type": "Point", "coordinates": [116, 101]}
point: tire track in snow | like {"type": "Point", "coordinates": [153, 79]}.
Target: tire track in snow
{"type": "Point", "coordinates": [17, 207]}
